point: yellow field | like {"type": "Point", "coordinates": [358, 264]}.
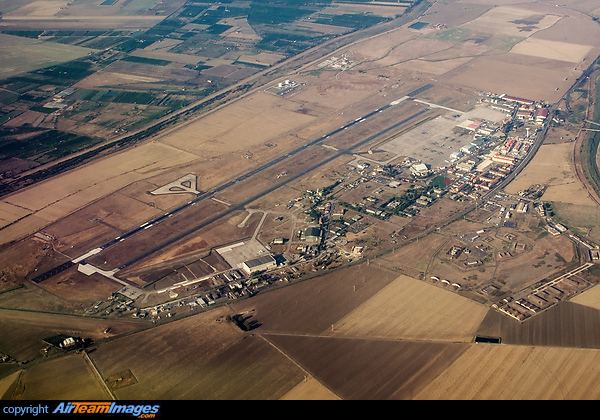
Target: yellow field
{"type": "Point", "coordinates": [437, 67]}
{"type": "Point", "coordinates": [240, 29]}
{"type": "Point", "coordinates": [412, 309]}
{"type": "Point", "coordinates": [413, 49]}
{"type": "Point", "coordinates": [68, 377]}
{"type": "Point", "coordinates": [6, 383]}
{"type": "Point", "coordinates": [263, 58]}
{"type": "Point", "coordinates": [199, 357]}
{"type": "Point", "coordinates": [519, 372]}
{"type": "Point", "coordinates": [309, 390]}
{"type": "Point", "coordinates": [46, 8]}
{"type": "Point", "coordinates": [386, 11]}
{"type": "Point", "coordinates": [378, 46]}
{"type": "Point", "coordinates": [503, 73]}
{"type": "Point", "coordinates": [508, 21]}
{"type": "Point", "coordinates": [590, 297]}
{"type": "Point", "coordinates": [107, 78]}
{"type": "Point", "coordinates": [554, 50]}
{"type": "Point", "coordinates": [552, 166]}
{"type": "Point", "coordinates": [240, 126]}
{"type": "Point", "coordinates": [61, 195]}
{"type": "Point", "coordinates": [165, 55]}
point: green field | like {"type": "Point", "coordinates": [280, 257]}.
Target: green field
{"type": "Point", "coordinates": [45, 146]}
{"type": "Point", "coordinates": [21, 55]}
{"type": "Point", "coordinates": [453, 35]}
{"type": "Point", "coordinates": [146, 60]}
{"type": "Point", "coordinates": [118, 96]}
{"type": "Point", "coordinates": [356, 21]}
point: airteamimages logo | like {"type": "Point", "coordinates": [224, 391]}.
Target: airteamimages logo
{"type": "Point", "coordinates": [137, 410]}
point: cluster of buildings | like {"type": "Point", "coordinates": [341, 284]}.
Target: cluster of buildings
{"type": "Point", "coordinates": [495, 149]}
{"type": "Point", "coordinates": [522, 108]}
{"type": "Point", "coordinates": [284, 87]}
{"type": "Point", "coordinates": [544, 295]}
{"type": "Point", "coordinates": [65, 343]}
{"type": "Point", "coordinates": [342, 63]}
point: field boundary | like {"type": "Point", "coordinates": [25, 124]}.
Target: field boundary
{"type": "Point", "coordinates": [98, 376]}
{"type": "Point", "coordinates": [299, 366]}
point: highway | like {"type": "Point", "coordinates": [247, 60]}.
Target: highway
{"type": "Point", "coordinates": [249, 85]}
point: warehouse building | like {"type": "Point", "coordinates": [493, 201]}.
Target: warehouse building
{"type": "Point", "coordinates": [420, 170]}
{"type": "Point", "coordinates": [312, 235]}
{"type": "Point", "coordinates": [266, 262]}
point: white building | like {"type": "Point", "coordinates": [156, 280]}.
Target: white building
{"type": "Point", "coordinates": [420, 170]}
{"type": "Point", "coordinates": [266, 262]}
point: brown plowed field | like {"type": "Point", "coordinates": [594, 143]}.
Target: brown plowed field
{"type": "Point", "coordinates": [313, 305]}
{"type": "Point", "coordinates": [198, 358]}
{"type": "Point", "coordinates": [564, 325]}
{"type": "Point", "coordinates": [365, 369]}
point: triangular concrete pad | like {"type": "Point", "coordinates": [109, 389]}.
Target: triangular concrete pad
{"type": "Point", "coordinates": [184, 185]}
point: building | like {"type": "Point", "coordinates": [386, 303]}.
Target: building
{"type": "Point", "coordinates": [522, 207]}
{"type": "Point", "coordinates": [541, 115]}
{"type": "Point", "coordinates": [420, 170]}
{"type": "Point", "coordinates": [520, 101]}
{"type": "Point", "coordinates": [524, 115]}
{"type": "Point", "coordinates": [454, 156]}
{"type": "Point", "coordinates": [266, 262]}
{"type": "Point", "coordinates": [466, 166]}
{"type": "Point", "coordinates": [312, 235]}
{"type": "Point", "coordinates": [468, 149]}
{"type": "Point", "coordinates": [503, 159]}
{"type": "Point", "coordinates": [424, 201]}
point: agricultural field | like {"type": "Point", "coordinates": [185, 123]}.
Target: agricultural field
{"type": "Point", "coordinates": [518, 372]}
{"type": "Point", "coordinates": [553, 50]}
{"type": "Point", "coordinates": [21, 55]}
{"type": "Point", "coordinates": [579, 327]}
{"type": "Point", "coordinates": [512, 21]}
{"type": "Point", "coordinates": [68, 377]}
{"type": "Point", "coordinates": [7, 384]}
{"type": "Point", "coordinates": [590, 298]}
{"type": "Point", "coordinates": [23, 331]}
{"type": "Point", "coordinates": [372, 369]}
{"type": "Point", "coordinates": [310, 389]}
{"type": "Point", "coordinates": [335, 294]}
{"type": "Point", "coordinates": [129, 77]}
{"type": "Point", "coordinates": [553, 166]}
{"type": "Point", "coordinates": [413, 310]}
{"type": "Point", "coordinates": [74, 190]}
{"type": "Point", "coordinates": [217, 361]}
